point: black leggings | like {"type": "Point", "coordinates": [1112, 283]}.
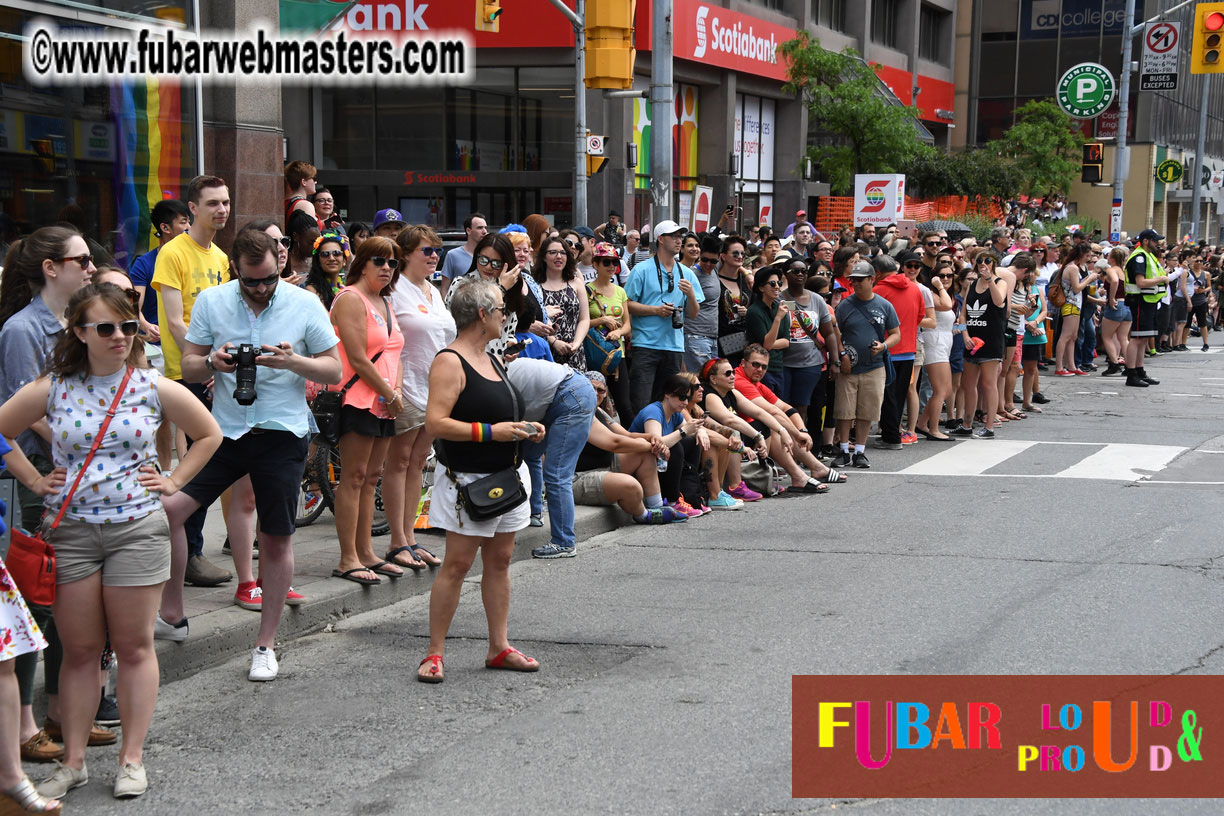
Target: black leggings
{"type": "Point", "coordinates": [683, 474]}
{"type": "Point", "coordinates": [1199, 311]}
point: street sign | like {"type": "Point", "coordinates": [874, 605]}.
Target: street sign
{"type": "Point", "coordinates": [1161, 45]}
{"type": "Point", "coordinates": [1115, 221]}
{"type": "Point", "coordinates": [1085, 90]}
{"type": "Point", "coordinates": [701, 210]}
{"type": "Point", "coordinates": [1170, 171]}
{"type": "Point", "coordinates": [595, 145]}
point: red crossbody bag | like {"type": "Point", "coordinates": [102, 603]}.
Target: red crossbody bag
{"type": "Point", "coordinates": [31, 558]}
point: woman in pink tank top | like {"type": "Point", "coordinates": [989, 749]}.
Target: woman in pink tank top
{"type": "Point", "coordinates": [370, 345]}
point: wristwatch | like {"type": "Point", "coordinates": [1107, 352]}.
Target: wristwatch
{"type": "Point", "coordinates": [208, 363]}
{"type": "Point", "coordinates": [683, 435]}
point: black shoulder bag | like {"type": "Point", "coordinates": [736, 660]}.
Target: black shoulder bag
{"type": "Point", "coordinates": [498, 493]}
{"type": "Point", "coordinates": [326, 408]}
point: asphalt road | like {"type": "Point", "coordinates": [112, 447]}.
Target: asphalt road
{"type": "Point", "coordinates": [668, 652]}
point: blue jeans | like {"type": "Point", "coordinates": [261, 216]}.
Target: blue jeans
{"type": "Point", "coordinates": [1086, 342]}
{"type": "Point", "coordinates": [568, 420]}
{"type": "Point", "coordinates": [697, 351]}
{"type": "Point", "coordinates": [798, 384]}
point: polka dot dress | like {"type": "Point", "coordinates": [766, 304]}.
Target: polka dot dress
{"type": "Point", "coordinates": [76, 407]}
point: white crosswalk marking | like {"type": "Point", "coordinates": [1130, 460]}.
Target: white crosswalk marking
{"type": "Point", "coordinates": [1113, 461]}
{"type": "Point", "coordinates": [1122, 462]}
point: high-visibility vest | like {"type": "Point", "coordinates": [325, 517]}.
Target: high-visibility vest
{"type": "Point", "coordinates": [1152, 269]}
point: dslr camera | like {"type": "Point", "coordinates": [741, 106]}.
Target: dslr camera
{"type": "Point", "coordinates": [244, 373]}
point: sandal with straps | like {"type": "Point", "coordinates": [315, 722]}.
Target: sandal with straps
{"type": "Point", "coordinates": [27, 800]}
{"type": "Point", "coordinates": [434, 675]}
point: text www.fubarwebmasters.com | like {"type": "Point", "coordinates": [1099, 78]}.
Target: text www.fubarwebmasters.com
{"type": "Point", "coordinates": [76, 56]}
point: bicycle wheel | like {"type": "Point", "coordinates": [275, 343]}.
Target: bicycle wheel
{"type": "Point", "coordinates": [310, 503]}
{"type": "Point", "coordinates": [380, 526]}
{"type": "Point", "coordinates": [329, 464]}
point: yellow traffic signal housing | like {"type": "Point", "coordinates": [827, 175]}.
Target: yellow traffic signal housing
{"type": "Point", "coordinates": [609, 43]}
{"type": "Point", "coordinates": [1207, 51]}
{"type": "Point", "coordinates": [487, 14]}
{"type": "Point", "coordinates": [595, 164]}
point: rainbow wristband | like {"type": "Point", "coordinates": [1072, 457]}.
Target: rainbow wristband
{"type": "Point", "coordinates": [482, 432]}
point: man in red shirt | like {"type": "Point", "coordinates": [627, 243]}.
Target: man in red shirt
{"type": "Point", "coordinates": [906, 299]}
{"type": "Point", "coordinates": [790, 445]}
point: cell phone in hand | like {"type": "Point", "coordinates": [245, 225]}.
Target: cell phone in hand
{"type": "Point", "coordinates": [517, 348]}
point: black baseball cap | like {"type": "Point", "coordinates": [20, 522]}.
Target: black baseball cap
{"type": "Point", "coordinates": [1149, 235]}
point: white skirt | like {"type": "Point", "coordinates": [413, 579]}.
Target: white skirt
{"type": "Point", "coordinates": [936, 346]}
{"type": "Point", "coordinates": [444, 514]}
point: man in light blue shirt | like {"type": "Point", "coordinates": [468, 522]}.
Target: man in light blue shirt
{"type": "Point", "coordinates": [267, 439]}
{"type": "Point", "coordinates": [458, 260]}
{"type": "Point", "coordinates": [658, 287]}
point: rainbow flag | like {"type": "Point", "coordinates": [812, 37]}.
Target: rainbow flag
{"type": "Point", "coordinates": [149, 162]}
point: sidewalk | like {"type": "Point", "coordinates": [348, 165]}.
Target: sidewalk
{"type": "Point", "coordinates": [221, 631]}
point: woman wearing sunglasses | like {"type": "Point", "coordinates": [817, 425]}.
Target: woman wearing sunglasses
{"type": "Point", "coordinates": [370, 345]}
{"type": "Point", "coordinates": [493, 260]}
{"type": "Point", "coordinates": [563, 289]}
{"type": "Point", "coordinates": [769, 321]}
{"type": "Point", "coordinates": [427, 328]}
{"type": "Point", "coordinates": [328, 258]}
{"type": "Point", "coordinates": [113, 545]}
{"type": "Point", "coordinates": [984, 315]}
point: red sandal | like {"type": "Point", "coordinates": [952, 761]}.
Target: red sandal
{"type": "Point", "coordinates": [499, 662]}
{"type": "Point", "coordinates": [435, 670]}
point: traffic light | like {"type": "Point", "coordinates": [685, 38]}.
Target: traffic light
{"type": "Point", "coordinates": [1205, 54]}
{"type": "Point", "coordinates": [1094, 160]}
{"type": "Point", "coordinates": [595, 164]}
{"type": "Point", "coordinates": [487, 14]}
{"type": "Point", "coordinates": [609, 43]}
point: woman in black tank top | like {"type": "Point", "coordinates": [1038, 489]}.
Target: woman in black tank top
{"type": "Point", "coordinates": [477, 417]}
{"type": "Point", "coordinates": [984, 314]}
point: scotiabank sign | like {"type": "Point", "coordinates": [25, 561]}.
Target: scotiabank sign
{"type": "Point", "coordinates": [717, 36]}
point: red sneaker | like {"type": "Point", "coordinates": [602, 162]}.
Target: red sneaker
{"type": "Point", "coordinates": [249, 596]}
{"type": "Point", "coordinates": [292, 598]}
{"type": "Point", "coordinates": [908, 438]}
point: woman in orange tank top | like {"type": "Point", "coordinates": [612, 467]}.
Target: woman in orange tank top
{"type": "Point", "coordinates": [370, 344]}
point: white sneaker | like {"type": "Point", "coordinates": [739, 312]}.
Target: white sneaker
{"type": "Point", "coordinates": [131, 781]}
{"type": "Point", "coordinates": [170, 631]}
{"type": "Point", "coordinates": [62, 780]}
{"type": "Point", "coordinates": [263, 665]}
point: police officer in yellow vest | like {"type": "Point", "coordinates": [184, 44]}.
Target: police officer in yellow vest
{"type": "Point", "coordinates": [1144, 286]}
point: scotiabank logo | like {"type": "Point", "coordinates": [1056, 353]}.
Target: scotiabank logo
{"type": "Point", "coordinates": [733, 40]}
{"type": "Point", "coordinates": [873, 191]}
{"type": "Point", "coordinates": [413, 177]}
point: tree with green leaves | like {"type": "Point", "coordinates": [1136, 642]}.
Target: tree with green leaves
{"type": "Point", "coordinates": [1043, 148]}
{"type": "Point", "coordinates": [972, 172]}
{"type": "Point", "coordinates": [858, 129]}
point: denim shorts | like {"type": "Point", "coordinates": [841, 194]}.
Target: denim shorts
{"type": "Point", "coordinates": [1121, 314]}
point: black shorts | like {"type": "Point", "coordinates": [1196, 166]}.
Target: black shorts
{"type": "Point", "coordinates": [1181, 310]}
{"type": "Point", "coordinates": [1143, 316]}
{"type": "Point", "coordinates": [275, 461]}
{"type": "Point", "coordinates": [1032, 351]}
{"type": "Point", "coordinates": [363, 423]}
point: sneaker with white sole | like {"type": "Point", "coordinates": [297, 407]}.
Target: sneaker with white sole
{"type": "Point", "coordinates": [170, 631]}
{"type": "Point", "coordinates": [294, 598]}
{"type": "Point", "coordinates": [263, 665]}
{"type": "Point", "coordinates": [724, 501]}
{"type": "Point", "coordinates": [249, 596]}
{"type": "Point", "coordinates": [62, 780]}
{"type": "Point", "coordinates": [131, 781]}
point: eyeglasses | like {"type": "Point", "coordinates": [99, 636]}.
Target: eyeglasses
{"type": "Point", "coordinates": [332, 253]}
{"type": "Point", "coordinates": [430, 251]}
{"type": "Point", "coordinates": [705, 260]}
{"type": "Point", "coordinates": [128, 327]}
{"type": "Point", "coordinates": [797, 270]}
{"type": "Point", "coordinates": [495, 264]}
{"type": "Point", "coordinates": [285, 241]}
{"type": "Point", "coordinates": [501, 309]}
{"type": "Point", "coordinates": [251, 283]}
{"type": "Point", "coordinates": [557, 252]}
{"type": "Point", "coordinates": [83, 261]}
{"type": "Point", "coordinates": [946, 277]}
{"type": "Point", "coordinates": [730, 372]}
{"type": "Point", "coordinates": [683, 397]}
{"type": "Point", "coordinates": [133, 298]}
{"type": "Point", "coordinates": [758, 366]}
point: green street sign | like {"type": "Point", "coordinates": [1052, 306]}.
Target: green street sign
{"type": "Point", "coordinates": [1170, 171]}
{"type": "Point", "coordinates": [1086, 90]}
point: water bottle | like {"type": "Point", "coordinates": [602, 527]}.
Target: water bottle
{"type": "Point", "coordinates": [661, 464]}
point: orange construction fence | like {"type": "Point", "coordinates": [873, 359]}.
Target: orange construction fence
{"type": "Point", "coordinates": [835, 212]}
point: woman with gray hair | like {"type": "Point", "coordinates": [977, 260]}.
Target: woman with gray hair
{"type": "Point", "coordinates": [477, 417]}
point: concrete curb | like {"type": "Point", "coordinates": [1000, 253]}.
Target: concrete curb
{"type": "Point", "coordinates": [219, 636]}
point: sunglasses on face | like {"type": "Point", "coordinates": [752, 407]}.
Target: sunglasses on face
{"type": "Point", "coordinates": [133, 298]}
{"type": "Point", "coordinates": [83, 261]}
{"type": "Point", "coordinates": [570, 243]}
{"type": "Point", "coordinates": [496, 264]}
{"type": "Point", "coordinates": [251, 283]}
{"type": "Point", "coordinates": [332, 253]}
{"type": "Point", "coordinates": [932, 243]}
{"type": "Point", "coordinates": [730, 372]}
{"type": "Point", "coordinates": [708, 260]}
{"type": "Point", "coordinates": [913, 265]}
{"type": "Point", "coordinates": [106, 329]}
{"type": "Point", "coordinates": [773, 284]}
{"type": "Point", "coordinates": [758, 366]}
{"type": "Point", "coordinates": [285, 241]}
{"type": "Point", "coordinates": [736, 254]}
{"type": "Point", "coordinates": [606, 262]}
{"type": "Point", "coordinates": [390, 263]}
{"type": "Point", "coordinates": [683, 397]}
{"type": "Point", "coordinates": [430, 251]}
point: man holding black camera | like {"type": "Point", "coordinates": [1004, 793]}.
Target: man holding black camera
{"type": "Point", "coordinates": [260, 344]}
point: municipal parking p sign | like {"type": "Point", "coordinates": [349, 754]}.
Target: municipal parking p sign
{"type": "Point", "coordinates": [1086, 90]}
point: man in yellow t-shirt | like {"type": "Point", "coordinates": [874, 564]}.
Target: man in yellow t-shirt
{"type": "Point", "coordinates": [187, 265]}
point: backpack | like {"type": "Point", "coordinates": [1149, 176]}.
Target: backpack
{"type": "Point", "coordinates": [1056, 296]}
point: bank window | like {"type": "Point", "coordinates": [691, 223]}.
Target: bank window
{"type": "Point", "coordinates": [932, 23]}
{"type": "Point", "coordinates": [884, 14]}
{"type": "Point", "coordinates": [831, 14]}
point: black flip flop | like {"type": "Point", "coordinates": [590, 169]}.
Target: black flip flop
{"type": "Point", "coordinates": [349, 575]}
{"type": "Point", "coordinates": [811, 487]}
{"type": "Point", "coordinates": [390, 556]}
{"type": "Point", "coordinates": [421, 547]}
{"type": "Point", "coordinates": [381, 569]}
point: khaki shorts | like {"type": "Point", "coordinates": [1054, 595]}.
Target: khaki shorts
{"type": "Point", "coordinates": [409, 419]}
{"type": "Point", "coordinates": [129, 553]}
{"type": "Point", "coordinates": [859, 396]}
{"type": "Point", "coordinates": [589, 488]}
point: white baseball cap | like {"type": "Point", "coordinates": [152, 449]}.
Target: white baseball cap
{"type": "Point", "coordinates": [667, 228]}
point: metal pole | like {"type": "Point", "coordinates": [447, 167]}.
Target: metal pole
{"type": "Point", "coordinates": [661, 99]}
{"type": "Point", "coordinates": [1121, 167]}
{"type": "Point", "coordinates": [1200, 156]}
{"type": "Point", "coordinates": [580, 147]}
